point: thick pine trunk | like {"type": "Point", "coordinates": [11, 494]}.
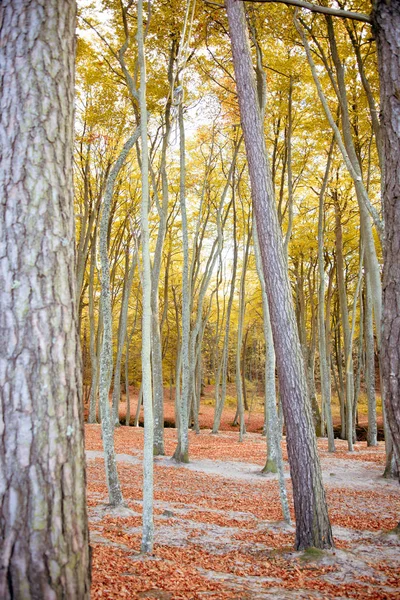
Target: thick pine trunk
{"type": "Point", "coordinates": [387, 31]}
{"type": "Point", "coordinates": [44, 549]}
{"type": "Point", "coordinates": [312, 521]}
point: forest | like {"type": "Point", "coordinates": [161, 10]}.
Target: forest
{"type": "Point", "coordinates": [199, 299]}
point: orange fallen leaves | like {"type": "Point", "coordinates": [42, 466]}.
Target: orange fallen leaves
{"type": "Point", "coordinates": [220, 538]}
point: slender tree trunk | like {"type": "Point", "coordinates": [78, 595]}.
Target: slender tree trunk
{"type": "Point", "coordinates": [44, 551]}
{"type": "Point", "coordinates": [181, 453]}
{"type": "Point", "coordinates": [138, 406]}
{"type": "Point", "coordinates": [242, 306]}
{"type": "Point", "coordinates": [312, 521]}
{"type": "Point", "coordinates": [130, 266]}
{"type": "Point", "coordinates": [323, 362]}
{"type": "Point", "coordinates": [148, 524]}
{"type": "Point", "coordinates": [372, 438]}
{"type": "Point", "coordinates": [346, 328]}
{"type": "Point", "coordinates": [128, 399]}
{"type": "Point", "coordinates": [272, 427]}
{"type": "Point", "coordinates": [92, 332]}
{"type": "Point", "coordinates": [288, 233]}
{"type": "Point", "coordinates": [219, 406]}
{"type": "Point", "coordinates": [157, 358]}
{"type": "Point", "coordinates": [106, 355]}
{"type": "Point", "coordinates": [274, 432]}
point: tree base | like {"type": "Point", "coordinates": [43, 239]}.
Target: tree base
{"type": "Point", "coordinates": [181, 457]}
{"type": "Point", "coordinates": [270, 467]}
{"type": "Point", "coordinates": [158, 450]}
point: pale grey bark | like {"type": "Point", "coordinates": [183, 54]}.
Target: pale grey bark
{"type": "Point", "coordinates": [239, 340]}
{"type": "Point", "coordinates": [130, 267]}
{"type": "Point", "coordinates": [348, 354]}
{"type": "Point", "coordinates": [92, 332]}
{"type": "Point", "coordinates": [274, 461]}
{"type": "Point", "coordinates": [326, 10]}
{"type": "Point", "coordinates": [372, 438]}
{"type": "Point", "coordinates": [44, 550]}
{"type": "Point", "coordinates": [373, 109]}
{"type": "Point", "coordinates": [312, 521]}
{"type": "Point", "coordinates": [147, 515]}
{"type": "Point", "coordinates": [289, 228]}
{"type": "Point", "coordinates": [350, 158]}
{"type": "Point", "coordinates": [270, 386]}
{"type": "Point", "coordinates": [349, 359]}
{"type": "Point", "coordinates": [323, 362]}
{"type": "Point", "coordinates": [106, 355]}
{"type": "Point", "coordinates": [127, 394]}
{"type": "Point", "coordinates": [88, 223]}
{"type": "Point", "coordinates": [181, 453]}
{"type": "Point", "coordinates": [220, 400]}
{"type": "Point", "coordinates": [178, 362]}
{"type": "Point", "coordinates": [157, 362]}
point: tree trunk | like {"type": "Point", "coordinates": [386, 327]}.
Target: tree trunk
{"type": "Point", "coordinates": [387, 30]}
{"type": "Point", "coordinates": [147, 515]}
{"type": "Point", "coordinates": [372, 438]}
{"type": "Point", "coordinates": [242, 306]}
{"type": "Point", "coordinates": [106, 355]}
{"type": "Point", "coordinates": [323, 360]}
{"type": "Point", "coordinates": [219, 405]}
{"type": "Point", "coordinates": [312, 521]}
{"type": "Point", "coordinates": [130, 266]}
{"type": "Point", "coordinates": [43, 521]}
{"type": "Point", "coordinates": [92, 332]}
{"type": "Point", "coordinates": [181, 453]}
{"type": "Point", "coordinates": [156, 351]}
{"type": "Point", "coordinates": [274, 461]}
{"type": "Point", "coordinates": [345, 324]}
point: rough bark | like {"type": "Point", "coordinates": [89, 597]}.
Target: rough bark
{"type": "Point", "coordinates": [387, 30]}
{"type": "Point", "coordinates": [312, 521]}
{"type": "Point", "coordinates": [44, 549]}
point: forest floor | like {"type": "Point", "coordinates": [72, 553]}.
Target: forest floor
{"type": "Point", "coordinates": [219, 532]}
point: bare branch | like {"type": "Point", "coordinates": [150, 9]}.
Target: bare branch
{"type": "Point", "coordinates": [335, 12]}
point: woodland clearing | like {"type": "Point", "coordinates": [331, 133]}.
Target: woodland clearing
{"type": "Point", "coordinates": [219, 531]}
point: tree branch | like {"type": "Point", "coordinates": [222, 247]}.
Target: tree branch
{"type": "Point", "coordinates": [344, 14]}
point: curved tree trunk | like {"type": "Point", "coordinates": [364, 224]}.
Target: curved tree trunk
{"type": "Point", "coordinates": [42, 463]}
{"type": "Point", "coordinates": [106, 355]}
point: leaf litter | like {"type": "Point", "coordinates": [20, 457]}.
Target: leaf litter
{"type": "Point", "coordinates": [219, 532]}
